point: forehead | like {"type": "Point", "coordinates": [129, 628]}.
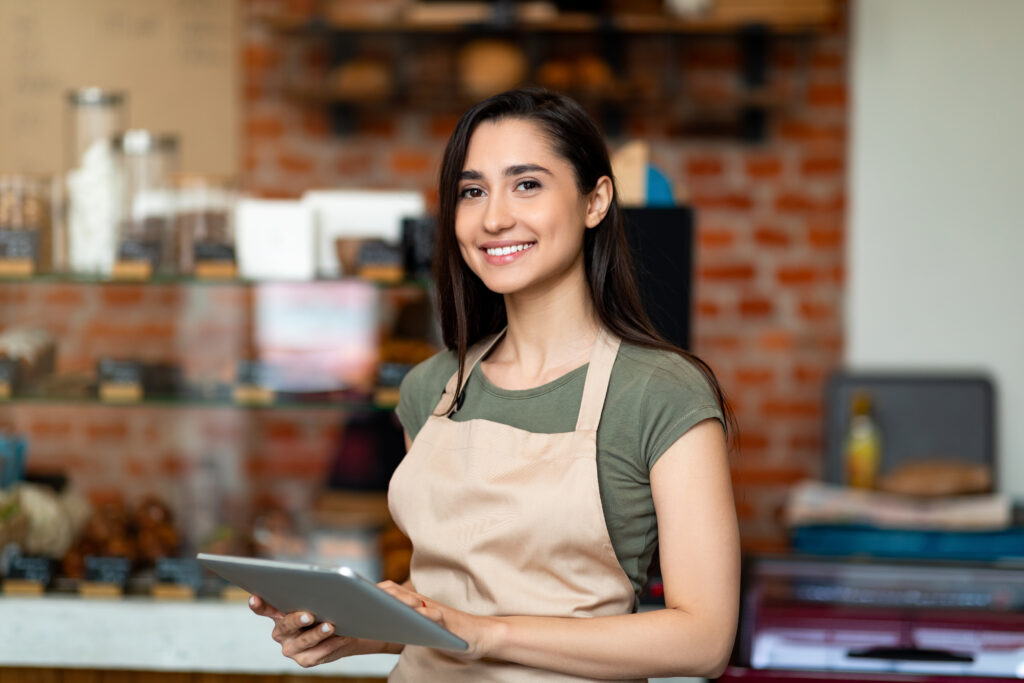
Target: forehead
{"type": "Point", "coordinates": [503, 142]}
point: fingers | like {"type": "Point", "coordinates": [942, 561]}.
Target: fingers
{"type": "Point", "coordinates": [298, 645]}
{"type": "Point", "coordinates": [262, 608]}
{"type": "Point", "coordinates": [424, 606]}
{"type": "Point", "coordinates": [333, 647]}
{"type": "Point", "coordinates": [291, 625]}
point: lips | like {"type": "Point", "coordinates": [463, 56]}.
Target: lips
{"type": "Point", "coordinates": [505, 252]}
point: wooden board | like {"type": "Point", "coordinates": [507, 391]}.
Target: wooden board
{"type": "Point", "coordinates": [178, 60]}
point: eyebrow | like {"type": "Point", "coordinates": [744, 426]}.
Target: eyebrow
{"type": "Point", "coordinates": [518, 169]}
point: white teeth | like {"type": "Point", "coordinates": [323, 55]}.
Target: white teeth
{"type": "Point", "coordinates": [505, 251]}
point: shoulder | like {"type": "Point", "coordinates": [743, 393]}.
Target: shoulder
{"type": "Point", "coordinates": [664, 393]}
{"type": "Point", "coordinates": [421, 389]}
{"type": "Point", "coordinates": [433, 372]}
{"type": "Point", "coordinates": [660, 370]}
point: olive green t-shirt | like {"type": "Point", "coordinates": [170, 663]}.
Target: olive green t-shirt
{"type": "Point", "coordinates": [653, 398]}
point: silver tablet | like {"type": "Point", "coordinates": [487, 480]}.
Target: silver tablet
{"type": "Point", "coordinates": [355, 605]}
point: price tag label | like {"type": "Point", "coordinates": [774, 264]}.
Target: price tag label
{"type": "Point", "coordinates": [19, 251]}
{"type": "Point", "coordinates": [105, 577]}
{"type": "Point", "coordinates": [177, 578]}
{"type": "Point", "coordinates": [28, 575]}
{"type": "Point", "coordinates": [215, 261]}
{"type": "Point", "coordinates": [120, 381]}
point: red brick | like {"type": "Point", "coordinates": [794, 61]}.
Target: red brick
{"type": "Point", "coordinates": [818, 311]}
{"type": "Point", "coordinates": [804, 132]}
{"type": "Point", "coordinates": [768, 236]}
{"type": "Point", "coordinates": [349, 163]}
{"type": "Point", "coordinates": [790, 408]}
{"type": "Point", "coordinates": [728, 201]}
{"type": "Point", "coordinates": [776, 340]}
{"type": "Point", "coordinates": [265, 127]}
{"type": "Point", "coordinates": [173, 465]}
{"type": "Point", "coordinates": [805, 442]}
{"type": "Point", "coordinates": [136, 467]}
{"type": "Point", "coordinates": [280, 430]}
{"type": "Point", "coordinates": [763, 167]}
{"type": "Point", "coordinates": [745, 509]}
{"type": "Point", "coordinates": [752, 442]}
{"type": "Point", "coordinates": [822, 166]}
{"type": "Point", "coordinates": [53, 428]}
{"type": "Point", "coordinates": [735, 272]}
{"type": "Point", "coordinates": [717, 342]}
{"type": "Point", "coordinates": [122, 295]}
{"type": "Point", "coordinates": [764, 545]}
{"type": "Point", "coordinates": [253, 92]}
{"type": "Point", "coordinates": [712, 56]}
{"type": "Point", "coordinates": [156, 331]}
{"type": "Point", "coordinates": [382, 126]}
{"type": "Point", "coordinates": [410, 162]}
{"type": "Point", "coordinates": [64, 295]}
{"type": "Point", "coordinates": [825, 238]}
{"type": "Point", "coordinates": [314, 122]}
{"type": "Point", "coordinates": [808, 374]}
{"type": "Point", "coordinates": [797, 275]}
{"type": "Point", "coordinates": [756, 307]}
{"type": "Point", "coordinates": [827, 95]}
{"type": "Point", "coordinates": [708, 309]}
{"type": "Point", "coordinates": [704, 166]}
{"type": "Point", "coordinates": [755, 376]}
{"type": "Point", "coordinates": [99, 431]}
{"type": "Point", "coordinates": [794, 202]}
{"type": "Point", "coordinates": [824, 58]}
{"type": "Point", "coordinates": [716, 237]}
{"type": "Point", "coordinates": [292, 162]}
{"type": "Point", "coordinates": [441, 126]}
{"type": "Point", "coordinates": [168, 297]}
{"type": "Point", "coordinates": [259, 57]}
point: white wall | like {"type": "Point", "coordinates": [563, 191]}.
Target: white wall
{"type": "Point", "coordinates": [936, 236]}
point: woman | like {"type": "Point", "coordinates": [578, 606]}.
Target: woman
{"type": "Point", "coordinates": [557, 441]}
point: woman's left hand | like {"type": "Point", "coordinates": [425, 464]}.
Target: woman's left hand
{"type": "Point", "coordinates": [477, 631]}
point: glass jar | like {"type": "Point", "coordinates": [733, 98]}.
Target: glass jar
{"type": "Point", "coordinates": [25, 225]}
{"type": "Point", "coordinates": [86, 241]}
{"type": "Point", "coordinates": [145, 223]}
{"type": "Point", "coordinates": [204, 226]}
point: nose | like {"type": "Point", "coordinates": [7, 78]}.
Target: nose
{"type": "Point", "coordinates": [497, 215]}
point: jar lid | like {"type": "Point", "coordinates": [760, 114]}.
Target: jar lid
{"type": "Point", "coordinates": [95, 96]}
{"type": "Point", "coordinates": [139, 141]}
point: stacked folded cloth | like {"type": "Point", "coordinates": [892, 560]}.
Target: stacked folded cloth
{"type": "Point", "coordinates": [828, 519]}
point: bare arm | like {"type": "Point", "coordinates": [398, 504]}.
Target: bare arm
{"type": "Point", "coordinates": [700, 565]}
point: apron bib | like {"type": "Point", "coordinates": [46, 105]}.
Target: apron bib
{"type": "Point", "coordinates": [507, 522]}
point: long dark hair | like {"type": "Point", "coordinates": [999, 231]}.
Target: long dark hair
{"type": "Point", "coordinates": [469, 311]}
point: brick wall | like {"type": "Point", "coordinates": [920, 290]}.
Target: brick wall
{"type": "Point", "coordinates": [769, 265]}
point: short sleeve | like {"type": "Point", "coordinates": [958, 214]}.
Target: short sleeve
{"type": "Point", "coordinates": [677, 397]}
{"type": "Point", "coordinates": [421, 389]}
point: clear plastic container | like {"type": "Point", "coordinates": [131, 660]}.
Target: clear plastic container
{"type": "Point", "coordinates": [25, 224]}
{"type": "Point", "coordinates": [204, 226]}
{"type": "Point", "coordinates": [145, 224]}
{"type": "Point", "coordinates": [86, 241]}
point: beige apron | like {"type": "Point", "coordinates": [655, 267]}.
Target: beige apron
{"type": "Point", "coordinates": [508, 522]}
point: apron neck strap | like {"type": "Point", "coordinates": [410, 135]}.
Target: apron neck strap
{"type": "Point", "coordinates": [473, 356]}
{"type": "Point", "coordinates": [602, 358]}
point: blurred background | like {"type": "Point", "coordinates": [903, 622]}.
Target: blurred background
{"type": "Point", "coordinates": [215, 238]}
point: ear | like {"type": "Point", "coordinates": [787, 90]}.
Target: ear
{"type": "Point", "coordinates": [599, 201]}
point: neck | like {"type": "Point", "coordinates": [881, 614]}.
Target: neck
{"type": "Point", "coordinates": [550, 331]}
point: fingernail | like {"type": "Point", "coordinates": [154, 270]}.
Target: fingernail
{"type": "Point", "coordinates": [305, 618]}
{"type": "Point", "coordinates": [326, 628]}
{"type": "Point", "coordinates": [252, 600]}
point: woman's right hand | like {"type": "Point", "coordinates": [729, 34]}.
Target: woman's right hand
{"type": "Point", "coordinates": [310, 643]}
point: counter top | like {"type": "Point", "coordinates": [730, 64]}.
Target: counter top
{"type": "Point", "coordinates": [137, 633]}
{"type": "Point", "coordinates": [140, 633]}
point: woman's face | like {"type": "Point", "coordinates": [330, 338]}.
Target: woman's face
{"type": "Point", "coordinates": [519, 216]}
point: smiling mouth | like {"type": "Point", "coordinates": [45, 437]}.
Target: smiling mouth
{"type": "Point", "coordinates": [512, 249]}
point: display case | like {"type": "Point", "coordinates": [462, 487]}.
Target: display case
{"type": "Point", "coordinates": [163, 417]}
